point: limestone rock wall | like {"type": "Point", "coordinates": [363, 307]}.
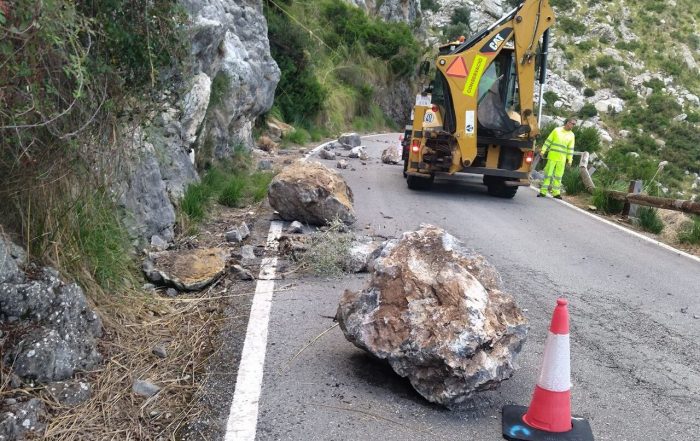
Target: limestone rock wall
{"type": "Point", "coordinates": [207, 109]}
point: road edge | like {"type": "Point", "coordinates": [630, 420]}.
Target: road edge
{"type": "Point", "coordinates": [626, 230]}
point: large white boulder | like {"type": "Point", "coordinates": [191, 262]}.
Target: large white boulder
{"type": "Point", "coordinates": [433, 309]}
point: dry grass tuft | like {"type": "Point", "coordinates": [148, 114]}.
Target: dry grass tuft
{"type": "Point", "coordinates": [134, 324]}
{"type": "Point", "coordinates": [328, 251]}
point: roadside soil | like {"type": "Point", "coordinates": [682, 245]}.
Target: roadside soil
{"type": "Point", "coordinates": [201, 332]}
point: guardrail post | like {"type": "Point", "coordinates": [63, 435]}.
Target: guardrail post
{"type": "Point", "coordinates": [630, 210]}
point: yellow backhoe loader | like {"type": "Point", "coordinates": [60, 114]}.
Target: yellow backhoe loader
{"type": "Point", "coordinates": [477, 114]}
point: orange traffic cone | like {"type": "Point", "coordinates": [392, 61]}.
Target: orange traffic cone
{"type": "Point", "coordinates": [549, 414]}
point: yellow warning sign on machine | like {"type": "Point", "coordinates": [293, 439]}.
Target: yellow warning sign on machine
{"type": "Point", "coordinates": [478, 67]}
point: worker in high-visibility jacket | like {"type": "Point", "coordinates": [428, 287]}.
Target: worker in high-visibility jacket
{"type": "Point", "coordinates": [559, 151]}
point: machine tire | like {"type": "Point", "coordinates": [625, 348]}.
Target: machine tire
{"type": "Point", "coordinates": [405, 167]}
{"type": "Point", "coordinates": [416, 183]}
{"type": "Point", "coordinates": [497, 187]}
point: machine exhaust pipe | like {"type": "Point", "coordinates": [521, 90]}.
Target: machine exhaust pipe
{"type": "Point", "coordinates": [543, 74]}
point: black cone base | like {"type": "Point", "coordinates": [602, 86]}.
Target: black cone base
{"type": "Point", "coordinates": [515, 429]}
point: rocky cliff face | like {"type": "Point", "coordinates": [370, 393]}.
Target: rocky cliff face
{"type": "Point", "coordinates": [407, 11]}
{"type": "Point", "coordinates": [203, 114]}
{"type": "Point", "coordinates": [230, 46]}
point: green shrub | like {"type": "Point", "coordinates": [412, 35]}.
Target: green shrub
{"type": "Point", "coordinates": [550, 98]}
{"type": "Point", "coordinates": [461, 14]}
{"type": "Point", "coordinates": [605, 61]}
{"type": "Point", "coordinates": [230, 184]}
{"type": "Point", "coordinates": [672, 67]}
{"type": "Point", "coordinates": [103, 241]}
{"type": "Point", "coordinates": [429, 5]}
{"type": "Point", "coordinates": [655, 84]}
{"type": "Point", "coordinates": [627, 46]}
{"type": "Point", "coordinates": [258, 184]}
{"type": "Point", "coordinates": [588, 92]}
{"type": "Point", "coordinates": [571, 27]}
{"type": "Point", "coordinates": [232, 193]}
{"type": "Point", "coordinates": [655, 6]}
{"type": "Point", "coordinates": [587, 139]}
{"type": "Point", "coordinates": [563, 4]}
{"type": "Point", "coordinates": [220, 87]}
{"type": "Point", "coordinates": [452, 32]}
{"type": "Point", "coordinates": [693, 117]}
{"type": "Point", "coordinates": [299, 96]}
{"type": "Point", "coordinates": [587, 111]}
{"type": "Point", "coordinates": [605, 203]}
{"type": "Point", "coordinates": [350, 25]}
{"type": "Point", "coordinates": [586, 45]}
{"type": "Point", "coordinates": [613, 79]}
{"type": "Point", "coordinates": [195, 201]}
{"type": "Point", "coordinates": [626, 93]}
{"type": "Point", "coordinates": [649, 220]}
{"type": "Point", "coordinates": [298, 136]}
{"type": "Point", "coordinates": [691, 234]}
{"type": "Point", "coordinates": [139, 38]}
{"type": "Point", "coordinates": [591, 72]}
{"type": "Point", "coordinates": [576, 82]}
{"type": "Point", "coordinates": [572, 181]}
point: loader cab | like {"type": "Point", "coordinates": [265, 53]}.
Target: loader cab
{"type": "Point", "coordinates": [498, 100]}
{"type": "Point", "coordinates": [498, 104]}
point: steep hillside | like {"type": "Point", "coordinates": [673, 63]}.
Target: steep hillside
{"type": "Point", "coordinates": [628, 69]}
{"type": "Point", "coordinates": [342, 66]}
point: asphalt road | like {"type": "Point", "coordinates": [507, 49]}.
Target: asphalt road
{"type": "Point", "coordinates": [635, 342]}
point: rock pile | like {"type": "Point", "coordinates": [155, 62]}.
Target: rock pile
{"type": "Point", "coordinates": [434, 310]}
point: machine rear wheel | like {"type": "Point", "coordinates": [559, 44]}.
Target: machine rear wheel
{"type": "Point", "coordinates": [405, 167]}
{"type": "Point", "coordinates": [418, 183]}
{"type": "Point", "coordinates": [497, 187]}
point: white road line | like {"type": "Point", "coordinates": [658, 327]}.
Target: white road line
{"type": "Point", "coordinates": [626, 230]}
{"type": "Point", "coordinates": [243, 416]}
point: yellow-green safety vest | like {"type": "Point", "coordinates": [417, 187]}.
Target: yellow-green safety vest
{"type": "Point", "coordinates": [560, 145]}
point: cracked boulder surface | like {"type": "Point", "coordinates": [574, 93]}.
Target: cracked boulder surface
{"type": "Point", "coordinates": [311, 193]}
{"type": "Point", "coordinates": [433, 309]}
{"type": "Point", "coordinates": [186, 270]}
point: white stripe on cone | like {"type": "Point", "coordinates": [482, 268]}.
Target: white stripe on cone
{"type": "Point", "coordinates": [556, 371]}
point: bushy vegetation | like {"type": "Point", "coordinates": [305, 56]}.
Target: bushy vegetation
{"type": "Point", "coordinates": [332, 58]}
{"type": "Point", "coordinates": [587, 111]}
{"type": "Point", "coordinates": [429, 5]}
{"type": "Point", "coordinates": [65, 69]}
{"type": "Point", "coordinates": [657, 118]}
{"type": "Point", "coordinates": [571, 26]}
{"type": "Point", "coordinates": [691, 235]}
{"type": "Point", "coordinates": [232, 183]}
{"type": "Point", "coordinates": [649, 220]}
{"type": "Point", "coordinates": [605, 203]}
{"type": "Point", "coordinates": [572, 181]}
{"type": "Point", "coordinates": [351, 26]}
{"type": "Point", "coordinates": [459, 24]}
